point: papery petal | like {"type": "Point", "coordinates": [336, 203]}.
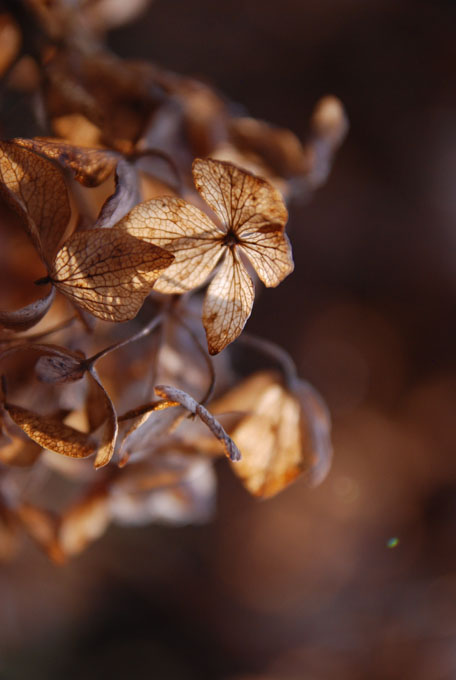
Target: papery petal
{"type": "Point", "coordinates": [108, 272]}
{"type": "Point", "coordinates": [183, 230]}
{"type": "Point", "coordinates": [89, 166]}
{"type": "Point", "coordinates": [228, 303]}
{"type": "Point", "coordinates": [269, 250]}
{"type": "Point", "coordinates": [36, 189]}
{"type": "Point", "coordinates": [241, 200]}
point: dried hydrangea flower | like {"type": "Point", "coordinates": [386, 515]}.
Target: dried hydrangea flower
{"type": "Point", "coordinates": [252, 218]}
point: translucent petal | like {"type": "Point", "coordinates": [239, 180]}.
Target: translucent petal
{"type": "Point", "coordinates": [241, 200]}
{"type": "Point", "coordinates": [269, 250]}
{"type": "Point", "coordinates": [108, 272]}
{"type": "Point", "coordinates": [36, 189]}
{"type": "Point", "coordinates": [183, 230]}
{"type": "Point", "coordinates": [228, 303]}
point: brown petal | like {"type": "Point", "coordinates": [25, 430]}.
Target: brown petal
{"type": "Point", "coordinates": [124, 198]}
{"type": "Point", "coordinates": [279, 148]}
{"type": "Point", "coordinates": [285, 432]}
{"type": "Point", "coordinates": [109, 433]}
{"type": "Point", "coordinates": [22, 319]}
{"type": "Point", "coordinates": [108, 272]}
{"type": "Point", "coordinates": [59, 368]}
{"type": "Point", "coordinates": [148, 425]}
{"type": "Point", "coordinates": [36, 189]}
{"type": "Point", "coordinates": [241, 200]}
{"type": "Point", "coordinates": [228, 303]}
{"type": "Point", "coordinates": [55, 364]}
{"type": "Point", "coordinates": [89, 166]}
{"type": "Point", "coordinates": [51, 433]}
{"type": "Point", "coordinates": [269, 250]}
{"type": "Point", "coordinates": [185, 231]}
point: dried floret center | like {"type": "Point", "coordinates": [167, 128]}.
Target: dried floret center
{"type": "Point", "coordinates": [231, 239]}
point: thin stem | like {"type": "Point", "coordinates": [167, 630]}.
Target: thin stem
{"type": "Point", "coordinates": [274, 351]}
{"type": "Point", "coordinates": [206, 357]}
{"type": "Point", "coordinates": [156, 348]}
{"type": "Point", "coordinates": [149, 328]}
{"type": "Point", "coordinates": [37, 336]}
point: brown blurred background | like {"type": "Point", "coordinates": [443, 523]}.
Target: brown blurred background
{"type": "Point", "coordinates": [304, 586]}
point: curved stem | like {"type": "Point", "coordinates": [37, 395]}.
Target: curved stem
{"type": "Point", "coordinates": [206, 357]}
{"type": "Point", "coordinates": [275, 352]}
{"type": "Point", "coordinates": [37, 336]}
{"type": "Point", "coordinates": [149, 328]}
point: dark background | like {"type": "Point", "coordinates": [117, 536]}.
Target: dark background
{"type": "Point", "coordinates": [305, 585]}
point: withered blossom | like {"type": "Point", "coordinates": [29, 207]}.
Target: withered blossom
{"type": "Point", "coordinates": [252, 218]}
{"type": "Point", "coordinates": [138, 398]}
{"type": "Point", "coordinates": [108, 273]}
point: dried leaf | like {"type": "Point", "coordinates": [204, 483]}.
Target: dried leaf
{"type": "Point", "coordinates": [22, 319]}
{"type": "Point", "coordinates": [124, 198]}
{"type": "Point", "coordinates": [228, 303]}
{"type": "Point", "coordinates": [108, 272]}
{"type": "Point", "coordinates": [109, 434]}
{"type": "Point", "coordinates": [51, 433]}
{"type": "Point", "coordinates": [172, 393]}
{"type": "Point", "coordinates": [36, 189]}
{"type": "Point", "coordinates": [89, 166]}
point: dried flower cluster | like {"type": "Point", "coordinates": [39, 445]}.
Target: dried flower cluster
{"type": "Point", "coordinates": [146, 202]}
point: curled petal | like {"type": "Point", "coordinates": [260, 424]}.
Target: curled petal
{"type": "Point", "coordinates": [51, 433]}
{"type": "Point", "coordinates": [228, 303]}
{"type": "Point", "coordinates": [175, 395]}
{"type": "Point", "coordinates": [89, 166]}
{"type": "Point", "coordinates": [26, 317]}
{"type": "Point", "coordinates": [126, 195]}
